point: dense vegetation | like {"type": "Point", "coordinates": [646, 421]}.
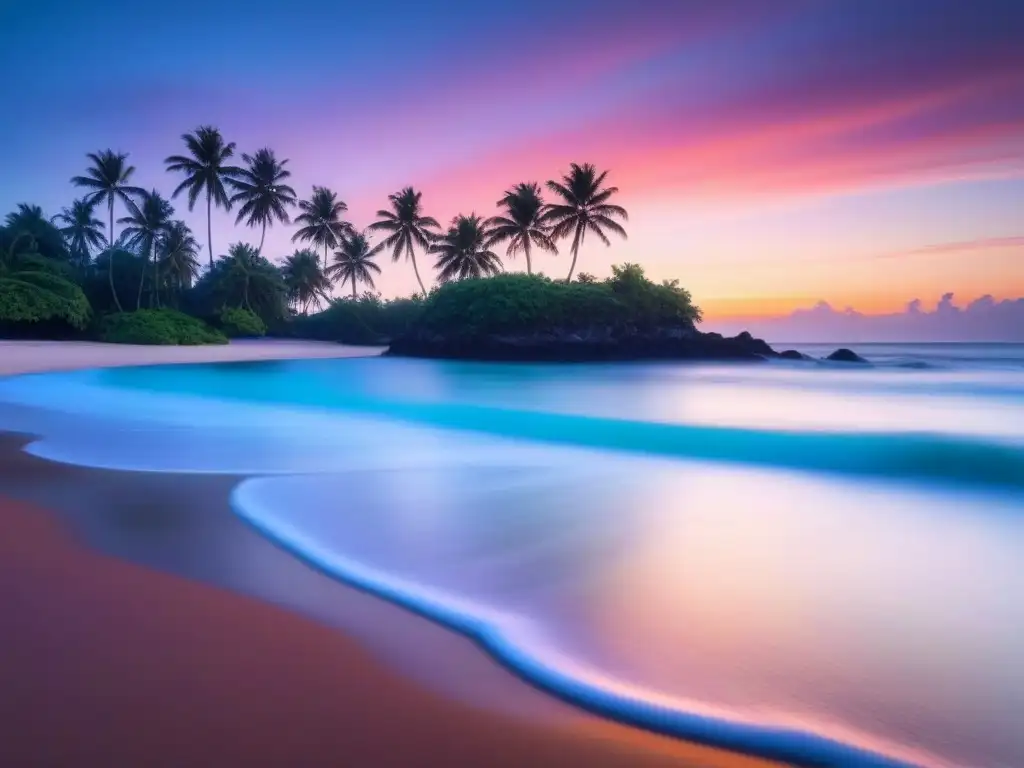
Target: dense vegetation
{"type": "Point", "coordinates": [77, 274]}
{"type": "Point", "coordinates": [365, 320]}
{"type": "Point", "coordinates": [241, 323]}
{"type": "Point", "coordinates": [525, 304]}
{"type": "Point", "coordinates": [158, 326]}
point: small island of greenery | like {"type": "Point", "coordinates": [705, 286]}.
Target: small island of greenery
{"type": "Point", "coordinates": [527, 317]}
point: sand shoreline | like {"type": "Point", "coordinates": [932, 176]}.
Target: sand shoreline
{"type": "Point", "coordinates": [17, 357]}
{"type": "Point", "coordinates": [109, 663]}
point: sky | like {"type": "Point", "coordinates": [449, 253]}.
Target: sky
{"type": "Point", "coordinates": [772, 155]}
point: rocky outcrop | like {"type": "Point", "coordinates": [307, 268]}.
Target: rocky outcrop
{"type": "Point", "coordinates": [792, 354]}
{"type": "Point", "coordinates": [598, 344]}
{"type": "Point", "coordinates": [844, 355]}
{"type": "Point", "coordinates": [591, 344]}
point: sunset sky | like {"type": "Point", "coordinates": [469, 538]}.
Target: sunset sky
{"type": "Point", "coordinates": [771, 154]}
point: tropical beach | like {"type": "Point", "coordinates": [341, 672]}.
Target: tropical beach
{"type": "Point", "coordinates": [469, 384]}
{"type": "Point", "coordinates": [158, 477]}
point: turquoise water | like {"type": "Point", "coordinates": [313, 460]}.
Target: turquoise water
{"type": "Point", "coordinates": [819, 563]}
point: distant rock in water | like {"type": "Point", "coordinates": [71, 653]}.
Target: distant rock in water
{"type": "Point", "coordinates": [792, 354]}
{"type": "Point", "coordinates": [844, 355]}
{"type": "Point", "coordinates": [681, 342]}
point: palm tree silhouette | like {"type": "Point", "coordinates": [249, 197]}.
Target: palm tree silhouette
{"type": "Point", "coordinates": [242, 262]}
{"type": "Point", "coordinates": [206, 170]}
{"type": "Point", "coordinates": [462, 251]}
{"type": "Point", "coordinates": [26, 218]}
{"type": "Point", "coordinates": [47, 238]}
{"type": "Point", "coordinates": [584, 206]}
{"type": "Point", "coordinates": [522, 226]}
{"type": "Point", "coordinates": [145, 224]}
{"type": "Point", "coordinates": [261, 190]}
{"type": "Point", "coordinates": [81, 229]}
{"type": "Point", "coordinates": [354, 262]}
{"type": "Point", "coordinates": [321, 217]}
{"type": "Point", "coordinates": [178, 256]}
{"type": "Point", "coordinates": [305, 280]}
{"type": "Point", "coordinates": [406, 227]}
{"type": "Point", "coordinates": [107, 179]}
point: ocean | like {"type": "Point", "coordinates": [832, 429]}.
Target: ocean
{"type": "Point", "coordinates": [818, 562]}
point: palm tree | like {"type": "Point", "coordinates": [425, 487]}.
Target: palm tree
{"type": "Point", "coordinates": [354, 262]}
{"type": "Point", "coordinates": [242, 259]}
{"type": "Point", "coordinates": [145, 224]}
{"type": "Point", "coordinates": [305, 280]}
{"type": "Point", "coordinates": [244, 279]}
{"type": "Point", "coordinates": [179, 256]}
{"type": "Point", "coordinates": [107, 179]}
{"type": "Point", "coordinates": [321, 220]}
{"type": "Point", "coordinates": [47, 238]}
{"type": "Point", "coordinates": [584, 206]}
{"type": "Point", "coordinates": [81, 229]}
{"type": "Point", "coordinates": [462, 250]}
{"type": "Point", "coordinates": [206, 170]}
{"type": "Point", "coordinates": [406, 227]}
{"type": "Point", "coordinates": [522, 225]}
{"type": "Point", "coordinates": [261, 191]}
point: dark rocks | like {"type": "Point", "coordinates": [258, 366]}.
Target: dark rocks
{"type": "Point", "coordinates": [844, 355]}
{"type": "Point", "coordinates": [792, 354]}
{"type": "Point", "coordinates": [584, 345]}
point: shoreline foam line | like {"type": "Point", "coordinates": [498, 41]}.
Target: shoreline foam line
{"type": "Point", "coordinates": [789, 745]}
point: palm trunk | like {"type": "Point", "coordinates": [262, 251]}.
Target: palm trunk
{"type": "Point", "coordinates": [576, 243]}
{"type": "Point", "coordinates": [325, 255]}
{"type": "Point", "coordinates": [526, 250]}
{"type": "Point", "coordinates": [110, 257]}
{"type": "Point", "coordinates": [209, 226]}
{"type": "Point", "coordinates": [415, 269]}
{"type": "Point", "coordinates": [353, 287]}
{"type": "Point", "coordinates": [142, 279]}
{"type": "Point", "coordinates": [259, 251]}
{"type": "Point", "coordinates": [155, 296]}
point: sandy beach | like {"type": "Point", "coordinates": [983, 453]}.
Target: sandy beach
{"type": "Point", "coordinates": [37, 356]}
{"type": "Point", "coordinates": [128, 642]}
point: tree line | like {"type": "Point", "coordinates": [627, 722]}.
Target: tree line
{"type": "Point", "coordinates": [259, 191]}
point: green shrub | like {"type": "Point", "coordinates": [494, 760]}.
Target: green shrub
{"type": "Point", "coordinates": [41, 297]}
{"type": "Point", "coordinates": [365, 320]}
{"type": "Point", "coordinates": [158, 326]}
{"type": "Point", "coordinates": [523, 304]}
{"type": "Point", "coordinates": [239, 323]}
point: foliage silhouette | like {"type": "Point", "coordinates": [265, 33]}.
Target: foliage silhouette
{"type": "Point", "coordinates": [406, 227]}
{"type": "Point", "coordinates": [583, 206]}
{"type": "Point", "coordinates": [107, 180]}
{"type": "Point", "coordinates": [206, 170]}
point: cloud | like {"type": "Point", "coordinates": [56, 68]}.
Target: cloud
{"type": "Point", "coordinates": [850, 104]}
{"type": "Point", "coordinates": [962, 246]}
{"type": "Point", "coordinates": [984, 319]}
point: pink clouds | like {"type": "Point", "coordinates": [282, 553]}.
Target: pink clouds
{"type": "Point", "coordinates": [983, 319]}
{"type": "Point", "coordinates": [969, 129]}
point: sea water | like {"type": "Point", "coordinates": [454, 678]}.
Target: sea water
{"type": "Point", "coordinates": [821, 563]}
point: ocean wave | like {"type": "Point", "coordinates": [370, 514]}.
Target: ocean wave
{"type": "Point", "coordinates": [518, 643]}
{"type": "Point", "coordinates": [94, 424]}
{"type": "Point", "coordinates": [187, 420]}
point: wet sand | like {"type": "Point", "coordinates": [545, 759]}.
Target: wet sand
{"type": "Point", "coordinates": [145, 624]}
{"type": "Point", "coordinates": [38, 356]}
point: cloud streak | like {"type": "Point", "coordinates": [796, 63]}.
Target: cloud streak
{"type": "Point", "coordinates": [985, 319]}
{"type": "Point", "coordinates": [963, 246]}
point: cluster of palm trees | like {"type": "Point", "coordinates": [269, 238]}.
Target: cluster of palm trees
{"type": "Point", "coordinates": [263, 197]}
